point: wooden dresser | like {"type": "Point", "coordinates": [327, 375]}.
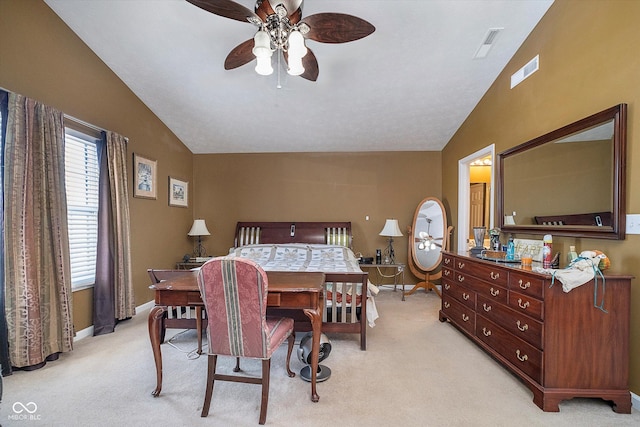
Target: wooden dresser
{"type": "Point", "coordinates": [557, 343]}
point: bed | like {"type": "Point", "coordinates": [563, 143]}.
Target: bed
{"type": "Point", "coordinates": [315, 246]}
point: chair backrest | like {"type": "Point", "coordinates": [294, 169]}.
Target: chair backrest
{"type": "Point", "coordinates": [158, 275]}
{"type": "Point", "coordinates": [234, 291]}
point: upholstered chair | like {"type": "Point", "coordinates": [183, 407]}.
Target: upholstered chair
{"type": "Point", "coordinates": [234, 291]}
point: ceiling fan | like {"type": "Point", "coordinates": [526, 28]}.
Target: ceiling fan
{"type": "Point", "coordinates": [281, 21]}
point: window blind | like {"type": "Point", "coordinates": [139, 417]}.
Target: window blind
{"type": "Point", "coordinates": [81, 178]}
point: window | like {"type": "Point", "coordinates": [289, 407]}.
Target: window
{"type": "Point", "coordinates": [81, 178]}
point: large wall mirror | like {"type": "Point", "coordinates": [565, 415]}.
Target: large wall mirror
{"type": "Point", "coordinates": [569, 182]}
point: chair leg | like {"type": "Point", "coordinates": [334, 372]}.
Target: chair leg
{"type": "Point", "coordinates": [199, 328]}
{"type": "Point", "coordinates": [292, 340]}
{"type": "Point", "coordinates": [211, 373]}
{"type": "Point", "coordinates": [237, 368]}
{"type": "Point", "coordinates": [266, 370]}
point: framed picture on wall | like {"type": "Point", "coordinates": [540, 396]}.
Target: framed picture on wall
{"type": "Point", "coordinates": [178, 193]}
{"type": "Point", "coordinates": [145, 183]}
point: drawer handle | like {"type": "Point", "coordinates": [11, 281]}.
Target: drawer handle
{"type": "Point", "coordinates": [494, 292]}
{"type": "Point", "coordinates": [522, 358]}
{"type": "Point", "coordinates": [447, 261]}
{"type": "Point", "coordinates": [465, 296]}
{"type": "Point", "coordinates": [461, 265]}
{"type": "Point", "coordinates": [465, 317]}
{"type": "Point", "coordinates": [495, 276]}
{"type": "Point", "coordinates": [486, 307]}
{"type": "Point", "coordinates": [460, 279]}
{"type": "Point", "coordinates": [524, 285]}
{"type": "Point", "coordinates": [486, 332]}
{"type": "Point", "coordinates": [523, 306]}
{"type": "Point", "coordinates": [523, 327]}
{"type": "Point", "coordinates": [446, 304]}
{"type": "Point", "coordinates": [447, 286]}
{"type": "Point", "coordinates": [447, 272]}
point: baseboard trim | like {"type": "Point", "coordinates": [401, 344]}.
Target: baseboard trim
{"type": "Point", "coordinates": [88, 332]}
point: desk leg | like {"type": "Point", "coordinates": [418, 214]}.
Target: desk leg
{"type": "Point", "coordinates": [316, 325]}
{"type": "Point", "coordinates": [155, 326]}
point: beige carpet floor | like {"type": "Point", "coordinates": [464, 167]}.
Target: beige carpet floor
{"type": "Point", "coordinates": [416, 372]}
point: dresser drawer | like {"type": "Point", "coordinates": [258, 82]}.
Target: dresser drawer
{"type": "Point", "coordinates": [526, 304]}
{"type": "Point", "coordinates": [447, 260]}
{"type": "Point", "coordinates": [447, 273]}
{"type": "Point", "coordinates": [487, 272]}
{"type": "Point", "coordinates": [459, 314]}
{"type": "Point", "coordinates": [521, 355]}
{"type": "Point", "coordinates": [463, 294]}
{"type": "Point", "coordinates": [491, 291]}
{"type": "Point", "coordinates": [522, 326]}
{"type": "Point", "coordinates": [526, 284]}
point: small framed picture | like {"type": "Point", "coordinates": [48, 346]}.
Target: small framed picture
{"type": "Point", "coordinates": [145, 183]}
{"type": "Point", "coordinates": [178, 193]}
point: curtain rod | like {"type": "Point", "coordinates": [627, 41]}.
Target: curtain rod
{"type": "Point", "coordinates": [83, 123]}
{"type": "Point", "coordinates": [75, 119]}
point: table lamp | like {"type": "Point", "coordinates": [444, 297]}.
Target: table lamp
{"type": "Point", "coordinates": [199, 229]}
{"type": "Point", "coordinates": [391, 229]}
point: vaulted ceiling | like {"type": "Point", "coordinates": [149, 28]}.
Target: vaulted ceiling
{"type": "Point", "coordinates": [408, 86]}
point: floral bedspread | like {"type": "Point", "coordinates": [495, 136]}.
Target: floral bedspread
{"type": "Point", "coordinates": [300, 257]}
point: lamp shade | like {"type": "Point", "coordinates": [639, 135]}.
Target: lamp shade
{"type": "Point", "coordinates": [199, 228]}
{"type": "Point", "coordinates": [391, 228]}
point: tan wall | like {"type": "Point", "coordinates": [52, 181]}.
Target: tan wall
{"type": "Point", "coordinates": [586, 65]}
{"type": "Point", "coordinates": [315, 187]}
{"type": "Point", "coordinates": [42, 58]}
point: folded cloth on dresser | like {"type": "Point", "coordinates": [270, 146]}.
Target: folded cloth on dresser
{"type": "Point", "coordinates": [580, 271]}
{"type": "Point", "coordinates": [310, 257]}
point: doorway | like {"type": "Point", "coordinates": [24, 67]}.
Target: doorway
{"type": "Point", "coordinates": [465, 206]}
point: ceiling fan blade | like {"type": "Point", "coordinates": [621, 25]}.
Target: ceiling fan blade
{"type": "Point", "coordinates": [225, 8]}
{"type": "Point", "coordinates": [240, 55]}
{"type": "Point", "coordinates": [310, 64]}
{"type": "Point", "coordinates": [337, 27]}
{"type": "Point", "coordinates": [264, 9]}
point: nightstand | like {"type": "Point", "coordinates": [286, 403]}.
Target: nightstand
{"type": "Point", "coordinates": [387, 270]}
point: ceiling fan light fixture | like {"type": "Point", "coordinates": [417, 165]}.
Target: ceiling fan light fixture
{"type": "Point", "coordinates": [296, 44]}
{"type": "Point", "coordinates": [262, 45]}
{"type": "Point", "coordinates": [263, 67]}
{"type": "Point", "coordinates": [295, 65]}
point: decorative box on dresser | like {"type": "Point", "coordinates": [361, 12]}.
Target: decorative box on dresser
{"type": "Point", "coordinates": [558, 343]}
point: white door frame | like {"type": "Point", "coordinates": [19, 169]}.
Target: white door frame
{"type": "Point", "coordinates": [463, 193]}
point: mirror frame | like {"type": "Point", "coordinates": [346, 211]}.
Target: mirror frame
{"type": "Point", "coordinates": [440, 235]}
{"type": "Point", "coordinates": [618, 114]}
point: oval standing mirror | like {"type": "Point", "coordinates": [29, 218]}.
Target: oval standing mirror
{"type": "Point", "coordinates": [429, 236]}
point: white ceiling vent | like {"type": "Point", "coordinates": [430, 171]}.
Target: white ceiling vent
{"type": "Point", "coordinates": [524, 72]}
{"type": "Point", "coordinates": [489, 40]}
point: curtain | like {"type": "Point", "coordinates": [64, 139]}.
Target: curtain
{"type": "Point", "coordinates": [4, 340]}
{"type": "Point", "coordinates": [36, 247]}
{"type": "Point", "coordinates": [113, 290]}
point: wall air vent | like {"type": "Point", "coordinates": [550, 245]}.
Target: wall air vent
{"type": "Point", "coordinates": [524, 72]}
{"type": "Point", "coordinates": [489, 40]}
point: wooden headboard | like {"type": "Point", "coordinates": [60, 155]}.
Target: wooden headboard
{"type": "Point", "coordinates": [597, 218]}
{"type": "Point", "coordinates": [338, 233]}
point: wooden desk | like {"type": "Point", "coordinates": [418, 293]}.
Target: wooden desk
{"type": "Point", "coordinates": [287, 290]}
